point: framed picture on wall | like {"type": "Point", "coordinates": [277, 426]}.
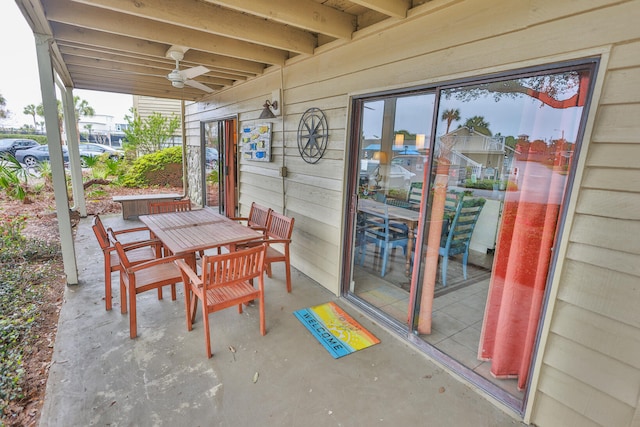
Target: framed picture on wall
{"type": "Point", "coordinates": [256, 142]}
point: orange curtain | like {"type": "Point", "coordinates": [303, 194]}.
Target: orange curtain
{"type": "Point", "coordinates": [521, 268]}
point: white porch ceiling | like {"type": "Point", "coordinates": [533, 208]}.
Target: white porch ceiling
{"type": "Point", "coordinates": [121, 45]}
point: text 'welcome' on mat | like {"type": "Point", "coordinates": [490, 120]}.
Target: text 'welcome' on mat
{"type": "Point", "coordinates": [338, 332]}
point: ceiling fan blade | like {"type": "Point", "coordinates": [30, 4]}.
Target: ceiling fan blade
{"type": "Point", "coordinates": [198, 85]}
{"type": "Point", "coordinates": [190, 73]}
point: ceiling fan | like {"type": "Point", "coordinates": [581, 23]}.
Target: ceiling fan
{"type": "Point", "coordinates": [179, 78]}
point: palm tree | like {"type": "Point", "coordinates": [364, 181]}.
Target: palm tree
{"type": "Point", "coordinates": [479, 124]}
{"type": "Point", "coordinates": [40, 112]}
{"type": "Point", "coordinates": [30, 110]}
{"type": "Point", "coordinates": [450, 115]}
{"type": "Point", "coordinates": [88, 128]}
{"type": "Point", "coordinates": [3, 103]}
{"type": "Point", "coordinates": [82, 108]}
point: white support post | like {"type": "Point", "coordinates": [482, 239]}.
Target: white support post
{"type": "Point", "coordinates": [54, 141]}
{"type": "Point", "coordinates": [70, 121]}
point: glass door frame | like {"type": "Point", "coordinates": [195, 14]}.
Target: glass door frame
{"type": "Point", "coordinates": [227, 163]}
{"type": "Point", "coordinates": [409, 331]}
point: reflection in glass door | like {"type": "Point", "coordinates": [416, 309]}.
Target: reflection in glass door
{"type": "Point", "coordinates": [467, 276]}
{"type": "Point", "coordinates": [393, 163]}
{"type": "Point", "coordinates": [219, 171]}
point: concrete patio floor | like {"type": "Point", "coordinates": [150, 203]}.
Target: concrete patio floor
{"type": "Point", "coordinates": [101, 377]}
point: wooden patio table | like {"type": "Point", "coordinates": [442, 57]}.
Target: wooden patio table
{"type": "Point", "coordinates": [185, 233]}
{"type": "Point", "coordinates": [398, 214]}
{"type": "Point", "coordinates": [189, 232]}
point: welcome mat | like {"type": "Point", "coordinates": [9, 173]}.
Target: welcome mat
{"type": "Point", "coordinates": [335, 329]}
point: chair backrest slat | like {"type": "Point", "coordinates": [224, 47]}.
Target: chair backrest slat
{"type": "Point", "coordinates": [170, 206]}
{"type": "Point", "coordinates": [258, 215]}
{"type": "Point", "coordinates": [100, 232]}
{"type": "Point", "coordinates": [280, 226]}
{"type": "Point", "coordinates": [233, 267]}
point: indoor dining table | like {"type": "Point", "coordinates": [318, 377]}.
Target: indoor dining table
{"type": "Point", "coordinates": [407, 216]}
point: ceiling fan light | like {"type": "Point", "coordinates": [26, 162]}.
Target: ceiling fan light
{"type": "Point", "coordinates": [177, 84]}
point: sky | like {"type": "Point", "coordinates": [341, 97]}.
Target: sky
{"type": "Point", "coordinates": [19, 81]}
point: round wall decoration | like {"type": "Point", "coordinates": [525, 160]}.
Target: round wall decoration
{"type": "Point", "coordinates": [313, 133]}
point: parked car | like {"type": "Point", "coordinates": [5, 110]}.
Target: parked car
{"type": "Point", "coordinates": [211, 157]}
{"type": "Point", "coordinates": [11, 145]}
{"type": "Point", "coordinates": [92, 150]}
{"type": "Point", "coordinates": [33, 156]}
{"type": "Point", "coordinates": [416, 163]}
{"type": "Point", "coordinates": [399, 177]}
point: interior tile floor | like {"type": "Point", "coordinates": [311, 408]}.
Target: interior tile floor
{"type": "Point", "coordinates": [458, 309]}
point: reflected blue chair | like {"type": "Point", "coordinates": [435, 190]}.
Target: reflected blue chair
{"type": "Point", "coordinates": [377, 229]}
{"type": "Point", "coordinates": [459, 232]}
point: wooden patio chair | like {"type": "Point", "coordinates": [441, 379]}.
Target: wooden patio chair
{"type": "Point", "coordinates": [142, 277]}
{"type": "Point", "coordinates": [278, 232]}
{"type": "Point", "coordinates": [226, 280]}
{"type": "Point", "coordinates": [138, 252]}
{"type": "Point", "coordinates": [169, 206]}
{"type": "Point", "coordinates": [258, 217]}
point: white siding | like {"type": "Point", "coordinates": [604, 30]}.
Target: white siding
{"type": "Point", "coordinates": [590, 374]}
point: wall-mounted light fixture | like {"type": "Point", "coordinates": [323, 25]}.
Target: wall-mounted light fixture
{"type": "Point", "coordinates": [266, 112]}
{"type": "Point", "coordinates": [420, 141]}
{"type": "Point", "coordinates": [272, 107]}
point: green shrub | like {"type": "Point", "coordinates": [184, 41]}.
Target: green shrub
{"type": "Point", "coordinates": [21, 290]}
{"type": "Point", "coordinates": [213, 177]}
{"type": "Point", "coordinates": [162, 168]}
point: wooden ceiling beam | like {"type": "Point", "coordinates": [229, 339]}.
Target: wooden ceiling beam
{"type": "Point", "coordinates": [80, 15]}
{"type": "Point", "coordinates": [104, 64]}
{"type": "Point", "coordinates": [170, 93]}
{"type": "Point", "coordinates": [214, 19]}
{"type": "Point", "coordinates": [395, 8]}
{"type": "Point", "coordinates": [73, 50]}
{"type": "Point", "coordinates": [306, 14]}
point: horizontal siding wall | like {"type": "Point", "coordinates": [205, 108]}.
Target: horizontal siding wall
{"type": "Point", "coordinates": [590, 373]}
{"type": "Point", "coordinates": [594, 342]}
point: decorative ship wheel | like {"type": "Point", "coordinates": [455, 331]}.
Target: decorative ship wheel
{"type": "Point", "coordinates": [313, 133]}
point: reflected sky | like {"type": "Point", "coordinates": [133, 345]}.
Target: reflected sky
{"type": "Point", "coordinates": [507, 116]}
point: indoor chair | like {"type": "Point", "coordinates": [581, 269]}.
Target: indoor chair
{"type": "Point", "coordinates": [384, 234]}
{"type": "Point", "coordinates": [459, 232]}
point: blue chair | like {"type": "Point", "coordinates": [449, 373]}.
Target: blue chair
{"type": "Point", "coordinates": [379, 230]}
{"type": "Point", "coordinates": [459, 232]}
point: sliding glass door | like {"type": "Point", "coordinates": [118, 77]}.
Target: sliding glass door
{"type": "Point", "coordinates": [456, 209]}
{"type": "Point", "coordinates": [219, 164]}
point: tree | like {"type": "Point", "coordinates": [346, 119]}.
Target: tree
{"type": "Point", "coordinates": [564, 90]}
{"type": "Point", "coordinates": [40, 112]}
{"type": "Point", "coordinates": [151, 134]}
{"type": "Point", "coordinates": [30, 110]}
{"type": "Point", "coordinates": [3, 112]}
{"type": "Point", "coordinates": [479, 124]}
{"type": "Point", "coordinates": [450, 115]}
{"type": "Point", "coordinates": [81, 108]}
{"type": "Point", "coordinates": [88, 128]}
